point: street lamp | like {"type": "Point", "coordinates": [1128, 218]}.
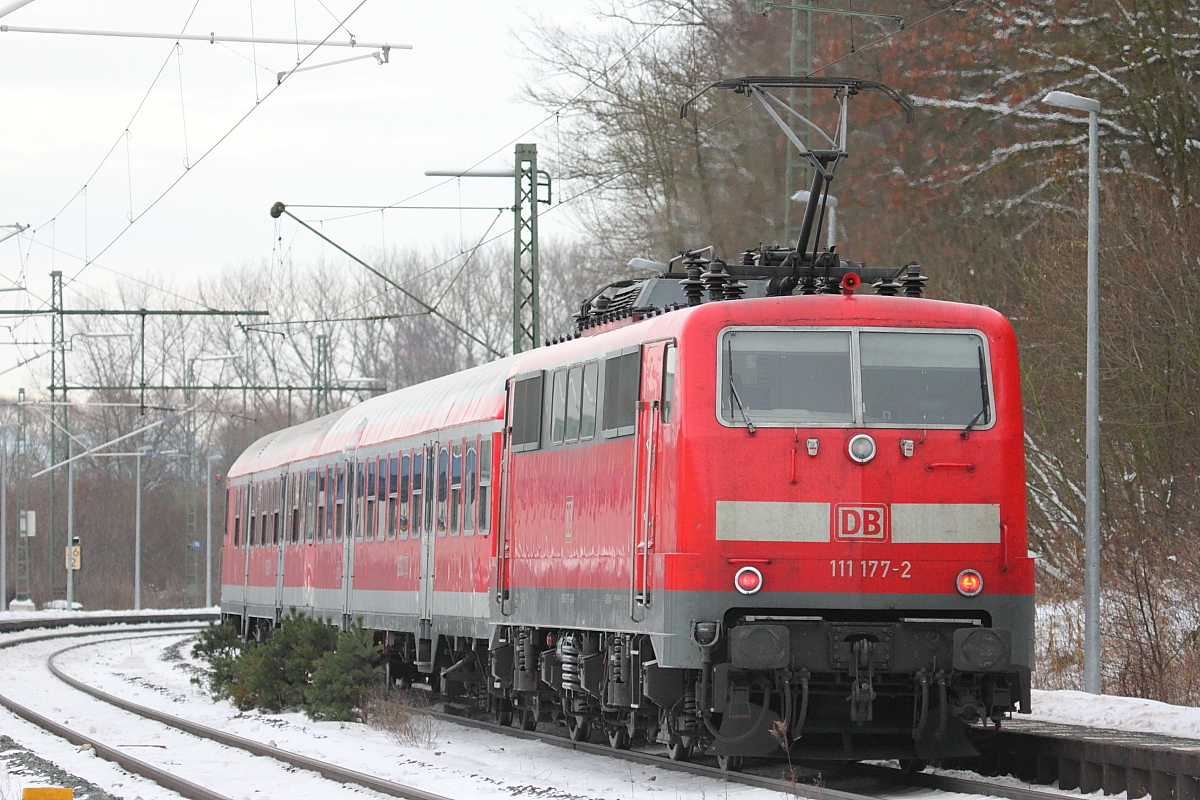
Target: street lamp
{"type": "Point", "coordinates": [4, 520]}
{"type": "Point", "coordinates": [71, 466]}
{"type": "Point", "coordinates": [208, 531]}
{"type": "Point", "coordinates": [1091, 536]}
{"type": "Point", "coordinates": [139, 454]}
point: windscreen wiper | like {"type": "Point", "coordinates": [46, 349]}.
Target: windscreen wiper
{"type": "Point", "coordinates": [983, 388]}
{"type": "Point", "coordinates": [750, 429]}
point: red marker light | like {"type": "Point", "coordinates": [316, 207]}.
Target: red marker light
{"type": "Point", "coordinates": [748, 580]}
{"type": "Point", "coordinates": [969, 583]}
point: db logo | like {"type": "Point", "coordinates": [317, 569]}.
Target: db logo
{"type": "Point", "coordinates": [857, 523]}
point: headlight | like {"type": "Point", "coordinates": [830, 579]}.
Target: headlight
{"type": "Point", "coordinates": [861, 448]}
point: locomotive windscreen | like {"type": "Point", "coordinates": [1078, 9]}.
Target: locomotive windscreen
{"type": "Point", "coordinates": [806, 377]}
{"type": "Point", "coordinates": [921, 379]}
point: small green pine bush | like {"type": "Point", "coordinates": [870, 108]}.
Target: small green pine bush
{"type": "Point", "coordinates": [305, 663]}
{"type": "Point", "coordinates": [344, 675]}
{"type": "Point", "coordinates": [219, 645]}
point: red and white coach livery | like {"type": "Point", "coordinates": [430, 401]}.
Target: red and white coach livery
{"type": "Point", "coordinates": [743, 510]}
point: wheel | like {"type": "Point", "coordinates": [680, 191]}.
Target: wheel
{"type": "Point", "coordinates": [526, 719]}
{"type": "Point", "coordinates": [578, 728]}
{"type": "Point", "coordinates": [504, 713]}
{"type": "Point", "coordinates": [910, 766]}
{"type": "Point", "coordinates": [679, 748]}
{"type": "Point", "coordinates": [730, 763]}
{"type": "Point", "coordinates": [618, 739]}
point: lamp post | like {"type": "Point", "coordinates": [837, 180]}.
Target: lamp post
{"type": "Point", "coordinates": [71, 469]}
{"type": "Point", "coordinates": [4, 519]}
{"type": "Point", "coordinates": [208, 532]}
{"type": "Point", "coordinates": [1091, 537]}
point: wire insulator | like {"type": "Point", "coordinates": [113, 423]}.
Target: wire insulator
{"type": "Point", "coordinates": [913, 281]}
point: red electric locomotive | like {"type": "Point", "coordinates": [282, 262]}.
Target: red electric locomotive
{"type": "Point", "coordinates": [744, 510]}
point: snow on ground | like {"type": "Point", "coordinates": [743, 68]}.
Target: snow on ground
{"type": "Point", "coordinates": [446, 758]}
{"type": "Point", "coordinates": [62, 613]}
{"type": "Point", "coordinates": [1118, 713]}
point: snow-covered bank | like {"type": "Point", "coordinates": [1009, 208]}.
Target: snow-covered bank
{"type": "Point", "coordinates": [1118, 713]}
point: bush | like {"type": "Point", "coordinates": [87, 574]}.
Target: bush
{"type": "Point", "coordinates": [305, 663]}
{"type": "Point", "coordinates": [275, 674]}
{"type": "Point", "coordinates": [344, 675]}
{"type": "Point", "coordinates": [219, 645]}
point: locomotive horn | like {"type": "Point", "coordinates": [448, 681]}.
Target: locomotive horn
{"type": "Point", "coordinates": [850, 282]}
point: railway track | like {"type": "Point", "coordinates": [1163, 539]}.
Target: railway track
{"type": "Point", "coordinates": [776, 777]}
{"type": "Point", "coordinates": [172, 779]}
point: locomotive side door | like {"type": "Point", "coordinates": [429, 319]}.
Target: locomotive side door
{"type": "Point", "coordinates": [645, 501]}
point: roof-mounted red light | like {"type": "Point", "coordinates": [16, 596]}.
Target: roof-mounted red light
{"type": "Point", "coordinates": [748, 580]}
{"type": "Point", "coordinates": [969, 583]}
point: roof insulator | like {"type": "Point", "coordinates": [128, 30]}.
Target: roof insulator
{"type": "Point", "coordinates": [913, 281]}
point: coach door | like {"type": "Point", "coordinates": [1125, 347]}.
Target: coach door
{"type": "Point", "coordinates": [353, 478]}
{"type": "Point", "coordinates": [279, 531]}
{"type": "Point", "coordinates": [429, 536]}
{"type": "Point", "coordinates": [645, 505]}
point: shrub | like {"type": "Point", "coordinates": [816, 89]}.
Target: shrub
{"type": "Point", "coordinates": [274, 675]}
{"type": "Point", "coordinates": [344, 675]}
{"type": "Point", "coordinates": [219, 646]}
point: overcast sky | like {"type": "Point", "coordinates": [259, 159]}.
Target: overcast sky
{"type": "Point", "coordinates": [355, 133]}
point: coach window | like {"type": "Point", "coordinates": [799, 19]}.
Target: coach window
{"type": "Point", "coordinates": [339, 519]}
{"type": "Point", "coordinates": [668, 384]}
{"type": "Point", "coordinates": [525, 416]}
{"type": "Point", "coordinates": [471, 487]}
{"type": "Point", "coordinates": [310, 504]}
{"type": "Point", "coordinates": [456, 489]}
{"type": "Point", "coordinates": [587, 423]}
{"type": "Point", "coordinates": [235, 496]}
{"type": "Point", "coordinates": [622, 382]}
{"type": "Point", "coordinates": [418, 485]}
{"type": "Point", "coordinates": [431, 461]}
{"type": "Point", "coordinates": [369, 511]}
{"type": "Point", "coordinates": [381, 500]}
{"type": "Point", "coordinates": [275, 512]}
{"type": "Point", "coordinates": [330, 493]}
{"type": "Point", "coordinates": [405, 488]}
{"type": "Point", "coordinates": [320, 531]}
{"type": "Point", "coordinates": [371, 515]}
{"type": "Point", "coordinates": [443, 466]}
{"type": "Point", "coordinates": [558, 407]}
{"type": "Point", "coordinates": [291, 522]}
{"type": "Point", "coordinates": [359, 494]}
{"type": "Point", "coordinates": [485, 483]}
{"type": "Point", "coordinates": [251, 515]}
{"type": "Point", "coordinates": [392, 486]}
{"type": "Point", "coordinates": [264, 496]}
{"type": "Point", "coordinates": [574, 379]}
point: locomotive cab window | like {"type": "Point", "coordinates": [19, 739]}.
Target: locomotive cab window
{"type": "Point", "coordinates": [920, 379]}
{"type": "Point", "coordinates": [867, 377]}
{"type": "Point", "coordinates": [668, 385]}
